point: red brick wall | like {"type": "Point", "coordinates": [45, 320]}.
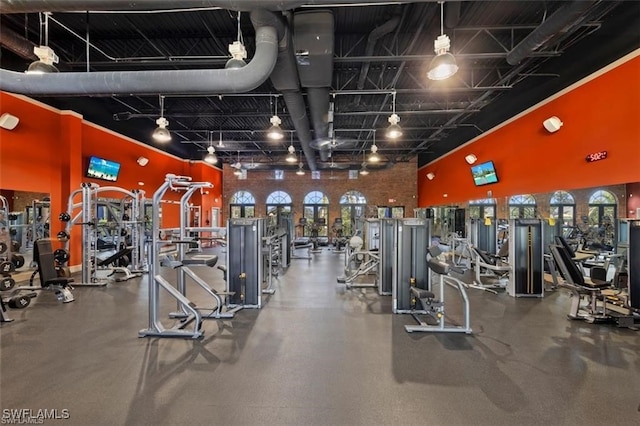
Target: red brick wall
{"type": "Point", "coordinates": [397, 183]}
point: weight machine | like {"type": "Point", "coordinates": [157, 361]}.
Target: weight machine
{"type": "Point", "coordinates": [409, 268]}
{"type": "Point", "coordinates": [387, 239]}
{"type": "Point", "coordinates": [526, 257]}
{"type": "Point", "coordinates": [434, 306]}
{"type": "Point", "coordinates": [245, 262]}
{"type": "Point", "coordinates": [183, 264]}
{"type": "Point", "coordinates": [483, 234]}
{"type": "Point", "coordinates": [84, 214]}
{"type": "Point", "coordinates": [157, 282]}
{"type": "Point", "coordinates": [359, 263]}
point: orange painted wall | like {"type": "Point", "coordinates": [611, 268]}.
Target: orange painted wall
{"type": "Point", "coordinates": [602, 114]}
{"type": "Point", "coordinates": [48, 152]}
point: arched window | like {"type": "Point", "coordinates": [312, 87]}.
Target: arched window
{"type": "Point", "coordinates": [562, 207]}
{"type": "Point", "coordinates": [522, 207]}
{"type": "Point", "coordinates": [242, 204]}
{"type": "Point", "coordinates": [278, 201]}
{"type": "Point", "coordinates": [352, 208]}
{"type": "Point", "coordinates": [315, 213]}
{"type": "Point", "coordinates": [480, 209]}
{"type": "Point", "coordinates": [603, 207]}
{"type": "Point", "coordinates": [316, 197]}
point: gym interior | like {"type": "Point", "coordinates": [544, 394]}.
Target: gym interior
{"type": "Point", "coordinates": [485, 272]}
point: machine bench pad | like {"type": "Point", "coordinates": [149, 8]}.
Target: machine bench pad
{"type": "Point", "coordinates": [422, 294]}
{"type": "Point", "coordinates": [204, 260]}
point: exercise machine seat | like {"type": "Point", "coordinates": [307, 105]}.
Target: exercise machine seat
{"type": "Point", "coordinates": [202, 260]}
{"type": "Point", "coordinates": [422, 294]}
{"type": "Point", "coordinates": [43, 256]}
{"type": "Point", "coordinates": [116, 256]}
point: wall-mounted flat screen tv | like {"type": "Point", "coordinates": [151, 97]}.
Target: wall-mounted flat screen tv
{"type": "Point", "coordinates": [99, 168]}
{"type": "Point", "coordinates": [484, 173]}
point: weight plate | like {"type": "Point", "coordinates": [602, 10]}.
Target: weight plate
{"type": "Point", "coordinates": [7, 267]}
{"type": "Point", "coordinates": [17, 260]}
{"type": "Point", "coordinates": [7, 283]}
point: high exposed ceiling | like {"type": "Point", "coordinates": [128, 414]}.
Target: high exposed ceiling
{"type": "Point", "coordinates": [511, 54]}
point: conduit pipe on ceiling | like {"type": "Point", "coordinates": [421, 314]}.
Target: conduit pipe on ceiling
{"type": "Point", "coordinates": [314, 32]}
{"type": "Point", "coordinates": [31, 6]}
{"type": "Point", "coordinates": [567, 15]}
{"type": "Point", "coordinates": [318, 99]}
{"type": "Point", "coordinates": [376, 34]}
{"type": "Point", "coordinates": [151, 82]}
{"type": "Point", "coordinates": [452, 14]}
{"type": "Point", "coordinates": [285, 80]}
{"type": "Point", "coordinates": [16, 43]}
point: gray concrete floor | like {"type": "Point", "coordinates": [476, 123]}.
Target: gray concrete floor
{"type": "Point", "coordinates": [315, 356]}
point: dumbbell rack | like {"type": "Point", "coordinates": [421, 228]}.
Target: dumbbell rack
{"type": "Point", "coordinates": [9, 261]}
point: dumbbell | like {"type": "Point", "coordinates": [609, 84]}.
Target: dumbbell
{"type": "Point", "coordinates": [21, 302]}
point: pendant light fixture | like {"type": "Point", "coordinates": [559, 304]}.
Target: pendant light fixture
{"type": "Point", "coordinates": [374, 157]}
{"type": "Point", "coordinates": [237, 51]}
{"type": "Point", "coordinates": [237, 167]}
{"type": "Point", "coordinates": [211, 156]}
{"type": "Point", "coordinates": [275, 131]}
{"type": "Point", "coordinates": [161, 134]}
{"type": "Point", "coordinates": [46, 56]}
{"type": "Point", "coordinates": [444, 64]}
{"type": "Point", "coordinates": [300, 171]}
{"type": "Point", "coordinates": [394, 131]}
{"type": "Point", "coordinates": [291, 156]}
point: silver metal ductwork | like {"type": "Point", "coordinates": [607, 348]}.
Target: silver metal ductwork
{"type": "Point", "coordinates": [313, 43]}
{"type": "Point", "coordinates": [567, 15]}
{"type": "Point", "coordinates": [152, 82]}
{"type": "Point", "coordinates": [285, 79]}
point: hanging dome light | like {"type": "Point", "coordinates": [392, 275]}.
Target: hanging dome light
{"type": "Point", "coordinates": [374, 157]}
{"type": "Point", "coordinates": [394, 131]}
{"type": "Point", "coordinates": [300, 170]}
{"type": "Point", "coordinates": [238, 55]}
{"type": "Point", "coordinates": [237, 51]}
{"type": "Point", "coordinates": [291, 156]}
{"type": "Point", "coordinates": [46, 56]}
{"type": "Point", "coordinates": [211, 156]}
{"type": "Point", "coordinates": [444, 64]}
{"type": "Point", "coordinates": [161, 133]}
{"type": "Point", "coordinates": [275, 131]}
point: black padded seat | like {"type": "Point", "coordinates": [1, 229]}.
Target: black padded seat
{"type": "Point", "coordinates": [422, 294]}
{"type": "Point", "coordinates": [117, 255]}
{"type": "Point", "coordinates": [201, 260]}
{"type": "Point", "coordinates": [43, 256]}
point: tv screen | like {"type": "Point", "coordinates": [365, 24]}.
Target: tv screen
{"type": "Point", "coordinates": [99, 168]}
{"type": "Point", "coordinates": [484, 173]}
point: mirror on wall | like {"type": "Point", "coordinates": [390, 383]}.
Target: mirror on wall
{"type": "Point", "coordinates": [24, 218]}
